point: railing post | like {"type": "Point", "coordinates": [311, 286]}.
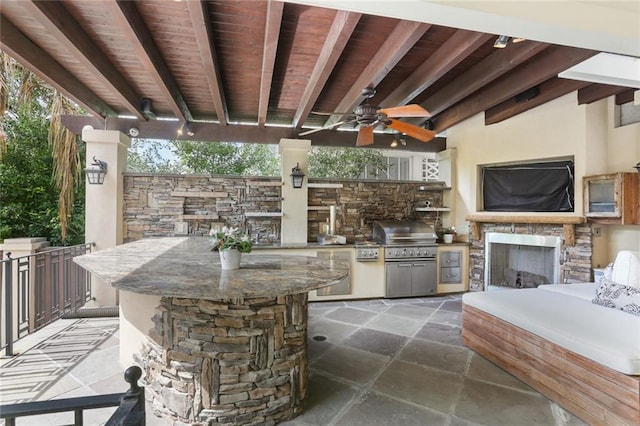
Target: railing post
{"type": "Point", "coordinates": [8, 281]}
{"type": "Point", "coordinates": [132, 409]}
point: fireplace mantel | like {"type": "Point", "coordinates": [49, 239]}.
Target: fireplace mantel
{"type": "Point", "coordinates": [567, 221]}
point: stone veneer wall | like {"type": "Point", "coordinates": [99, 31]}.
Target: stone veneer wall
{"type": "Point", "coordinates": [227, 362]}
{"type": "Point", "coordinates": [168, 205]}
{"type": "Point", "coordinates": [577, 265]}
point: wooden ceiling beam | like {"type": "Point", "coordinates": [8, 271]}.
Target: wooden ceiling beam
{"type": "Point", "coordinates": [53, 16]}
{"type": "Point", "coordinates": [399, 42]}
{"type": "Point", "coordinates": [136, 31]}
{"type": "Point", "coordinates": [457, 48]}
{"type": "Point", "coordinates": [271, 36]}
{"type": "Point", "coordinates": [548, 91]}
{"type": "Point", "coordinates": [339, 34]}
{"type": "Point", "coordinates": [481, 74]}
{"type": "Point", "coordinates": [201, 23]}
{"type": "Point", "coordinates": [541, 68]}
{"type": "Point", "coordinates": [214, 132]}
{"type": "Point", "coordinates": [625, 97]}
{"type": "Point", "coordinates": [31, 56]}
{"type": "Point", "coordinates": [596, 92]}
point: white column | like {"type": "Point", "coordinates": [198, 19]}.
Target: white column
{"type": "Point", "coordinates": [294, 201]}
{"type": "Point", "coordinates": [104, 203]}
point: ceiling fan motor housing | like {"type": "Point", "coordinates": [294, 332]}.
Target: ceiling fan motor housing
{"type": "Point", "coordinates": [366, 114]}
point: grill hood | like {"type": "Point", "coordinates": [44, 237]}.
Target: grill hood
{"type": "Point", "coordinates": [403, 233]}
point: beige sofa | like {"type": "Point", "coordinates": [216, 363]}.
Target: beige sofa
{"type": "Point", "coordinates": [582, 355]}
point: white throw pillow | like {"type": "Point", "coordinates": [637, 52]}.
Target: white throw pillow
{"type": "Point", "coordinates": [617, 296]}
{"type": "Point", "coordinates": [626, 268]}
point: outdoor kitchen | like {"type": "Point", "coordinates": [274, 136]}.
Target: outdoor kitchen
{"type": "Point", "coordinates": [381, 228]}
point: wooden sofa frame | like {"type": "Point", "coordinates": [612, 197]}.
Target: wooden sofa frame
{"type": "Point", "coordinates": [596, 394]}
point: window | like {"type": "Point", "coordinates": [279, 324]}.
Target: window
{"type": "Point", "coordinates": [545, 186]}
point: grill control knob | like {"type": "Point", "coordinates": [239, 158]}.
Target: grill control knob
{"type": "Point", "coordinates": [418, 253]}
{"type": "Point", "coordinates": [411, 253]}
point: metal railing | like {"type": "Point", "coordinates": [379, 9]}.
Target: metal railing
{"type": "Point", "coordinates": [38, 289]}
{"type": "Point", "coordinates": [130, 411]}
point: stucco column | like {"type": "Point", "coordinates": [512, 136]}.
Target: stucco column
{"type": "Point", "coordinates": [104, 203]}
{"type": "Point", "coordinates": [294, 201]}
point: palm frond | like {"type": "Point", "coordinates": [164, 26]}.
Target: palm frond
{"type": "Point", "coordinates": [66, 159]}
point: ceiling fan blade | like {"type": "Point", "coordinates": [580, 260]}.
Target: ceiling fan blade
{"type": "Point", "coordinates": [333, 126]}
{"type": "Point", "coordinates": [412, 110]}
{"type": "Point", "coordinates": [409, 129]}
{"type": "Point", "coordinates": [329, 113]}
{"type": "Point", "coordinates": [365, 136]}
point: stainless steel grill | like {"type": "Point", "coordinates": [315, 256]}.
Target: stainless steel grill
{"type": "Point", "coordinates": [410, 257]}
{"type": "Point", "coordinates": [405, 240]}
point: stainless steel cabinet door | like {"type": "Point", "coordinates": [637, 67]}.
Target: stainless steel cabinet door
{"type": "Point", "coordinates": [398, 279]}
{"type": "Point", "coordinates": [423, 278]}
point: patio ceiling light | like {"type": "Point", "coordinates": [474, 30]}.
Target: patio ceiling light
{"type": "Point", "coordinates": [97, 172]}
{"type": "Point", "coordinates": [503, 40]}
{"type": "Point", "coordinates": [185, 129]}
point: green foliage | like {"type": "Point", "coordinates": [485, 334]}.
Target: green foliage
{"type": "Point", "coordinates": [241, 159]}
{"type": "Point", "coordinates": [39, 161]}
{"type": "Point", "coordinates": [221, 158]}
{"type": "Point", "coordinates": [28, 198]}
{"type": "Point", "coordinates": [344, 163]}
{"type": "Point", "coordinates": [154, 156]}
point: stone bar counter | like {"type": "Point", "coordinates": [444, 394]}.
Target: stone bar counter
{"type": "Point", "coordinates": [223, 347]}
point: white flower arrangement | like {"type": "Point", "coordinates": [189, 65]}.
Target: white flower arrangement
{"type": "Point", "coordinates": [230, 238]}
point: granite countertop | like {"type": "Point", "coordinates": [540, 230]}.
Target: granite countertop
{"type": "Point", "coordinates": [258, 247]}
{"type": "Point", "coordinates": [186, 267]}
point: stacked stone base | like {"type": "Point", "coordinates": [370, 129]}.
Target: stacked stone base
{"type": "Point", "coordinates": [239, 362]}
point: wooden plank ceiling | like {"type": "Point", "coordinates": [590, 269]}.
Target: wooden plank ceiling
{"type": "Point", "coordinates": [259, 71]}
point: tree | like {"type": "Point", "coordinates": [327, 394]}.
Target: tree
{"type": "Point", "coordinates": [27, 101]}
{"type": "Point", "coordinates": [240, 159]}
{"type": "Point", "coordinates": [28, 197]}
{"type": "Point", "coordinates": [345, 163]}
{"type": "Point", "coordinates": [153, 156]}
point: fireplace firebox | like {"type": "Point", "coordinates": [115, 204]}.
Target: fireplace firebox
{"type": "Point", "coordinates": [515, 261]}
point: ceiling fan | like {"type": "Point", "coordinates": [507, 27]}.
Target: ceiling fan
{"type": "Point", "coordinates": [369, 116]}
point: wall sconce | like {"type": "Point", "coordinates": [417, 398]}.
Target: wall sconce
{"type": "Point", "coordinates": [297, 176]}
{"type": "Point", "coordinates": [637, 167]}
{"type": "Point", "coordinates": [97, 172]}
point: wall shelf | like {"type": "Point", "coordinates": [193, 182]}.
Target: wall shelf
{"type": "Point", "coordinates": [200, 217]}
{"type": "Point", "coordinates": [263, 214]}
{"type": "Point", "coordinates": [433, 209]}
{"type": "Point", "coordinates": [322, 208]}
{"type": "Point", "coordinates": [325, 185]}
{"type": "Point", "coordinates": [199, 194]}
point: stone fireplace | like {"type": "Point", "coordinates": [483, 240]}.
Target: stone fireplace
{"type": "Point", "coordinates": [521, 261]}
{"type": "Point", "coordinates": [575, 252]}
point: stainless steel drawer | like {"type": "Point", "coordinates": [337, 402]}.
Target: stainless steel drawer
{"type": "Point", "coordinates": [450, 259]}
{"type": "Point", "coordinates": [449, 275]}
